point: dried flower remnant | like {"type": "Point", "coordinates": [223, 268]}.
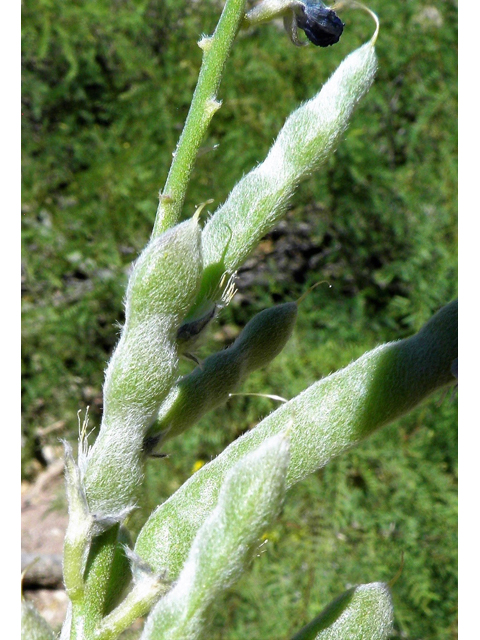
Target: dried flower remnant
{"type": "Point", "coordinates": [321, 24]}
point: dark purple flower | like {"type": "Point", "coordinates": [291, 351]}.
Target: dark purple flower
{"type": "Point", "coordinates": [322, 26]}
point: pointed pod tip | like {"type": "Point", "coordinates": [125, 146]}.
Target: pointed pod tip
{"type": "Point", "coordinates": [200, 208]}
{"type": "Point", "coordinates": [353, 4]}
{"type": "Point", "coordinates": [310, 289]}
{"type": "Point", "coordinates": [393, 580]}
{"type": "Point", "coordinates": [373, 39]}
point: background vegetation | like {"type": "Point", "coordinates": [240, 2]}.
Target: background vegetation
{"type": "Point", "coordinates": [106, 88]}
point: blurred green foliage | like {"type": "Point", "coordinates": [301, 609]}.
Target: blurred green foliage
{"type": "Point", "coordinates": [106, 89]}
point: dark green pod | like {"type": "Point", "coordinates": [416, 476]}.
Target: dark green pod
{"type": "Point", "coordinates": [210, 384]}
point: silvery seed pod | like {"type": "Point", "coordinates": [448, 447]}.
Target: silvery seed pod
{"type": "Point", "coordinates": [143, 367]}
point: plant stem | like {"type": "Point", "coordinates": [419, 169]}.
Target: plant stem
{"type": "Point", "coordinates": [204, 104]}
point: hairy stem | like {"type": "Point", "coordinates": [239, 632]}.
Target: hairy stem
{"type": "Point", "coordinates": [137, 603]}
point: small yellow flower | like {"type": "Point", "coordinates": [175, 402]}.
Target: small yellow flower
{"type": "Point", "coordinates": [198, 465]}
{"type": "Point", "coordinates": [272, 536]}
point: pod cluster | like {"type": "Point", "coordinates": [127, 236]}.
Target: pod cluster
{"type": "Point", "coordinates": [144, 364]}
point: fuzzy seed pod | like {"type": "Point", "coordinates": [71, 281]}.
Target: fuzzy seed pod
{"type": "Point", "coordinates": [331, 416]}
{"type": "Point", "coordinates": [161, 289]}
{"type": "Point", "coordinates": [258, 201]}
{"type": "Point", "coordinates": [364, 611]}
{"type": "Point", "coordinates": [248, 502]}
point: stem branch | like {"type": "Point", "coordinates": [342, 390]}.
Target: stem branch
{"type": "Point", "coordinates": [136, 604]}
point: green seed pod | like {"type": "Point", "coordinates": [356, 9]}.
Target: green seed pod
{"type": "Point", "coordinates": [308, 137]}
{"type": "Point", "coordinates": [210, 384]}
{"type": "Point", "coordinates": [249, 500]}
{"type": "Point", "coordinates": [160, 288]}
{"type": "Point", "coordinates": [143, 367]}
{"type": "Point", "coordinates": [331, 416]}
{"type": "Point", "coordinates": [365, 611]}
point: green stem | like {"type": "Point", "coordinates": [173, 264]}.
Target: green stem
{"type": "Point", "coordinates": [204, 104]}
